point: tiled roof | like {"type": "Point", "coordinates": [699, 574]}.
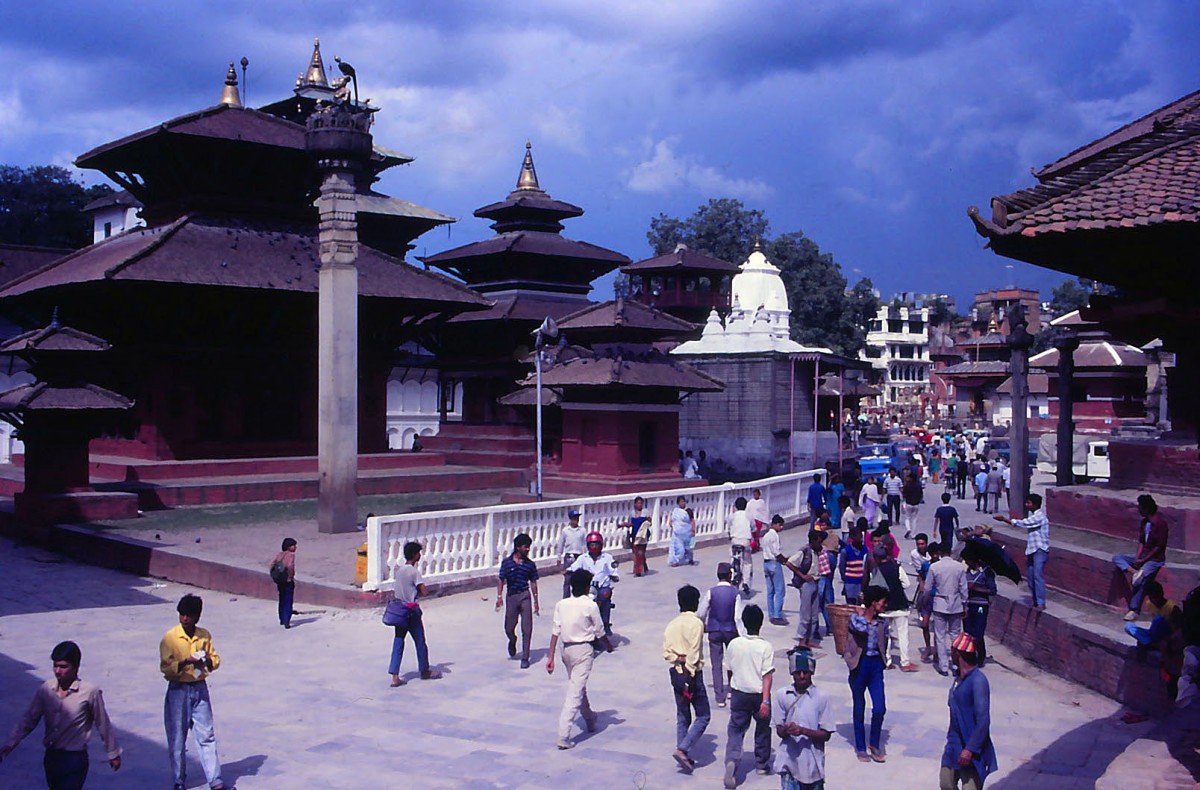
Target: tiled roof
{"type": "Point", "coordinates": [1146, 173]}
{"type": "Point", "coordinates": [1039, 384]}
{"type": "Point", "coordinates": [528, 243]}
{"type": "Point", "coordinates": [17, 260]}
{"type": "Point", "coordinates": [616, 371]}
{"type": "Point", "coordinates": [614, 317]}
{"type": "Point", "coordinates": [990, 339]}
{"type": "Point", "coordinates": [54, 338]}
{"type": "Point", "coordinates": [992, 368]}
{"type": "Point", "coordinates": [531, 307]}
{"type": "Point", "coordinates": [1097, 354]}
{"type": "Point", "coordinates": [682, 258]}
{"type": "Point", "coordinates": [41, 396]}
{"type": "Point", "coordinates": [219, 251]}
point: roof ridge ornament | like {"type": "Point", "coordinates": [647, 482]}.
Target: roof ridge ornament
{"type": "Point", "coordinates": [315, 73]}
{"type": "Point", "coordinates": [528, 179]}
{"type": "Point", "coordinates": [229, 94]}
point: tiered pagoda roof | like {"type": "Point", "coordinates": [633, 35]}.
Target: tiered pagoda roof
{"type": "Point", "coordinates": [528, 252]}
{"type": "Point", "coordinates": [622, 321]}
{"type": "Point", "coordinates": [681, 259]}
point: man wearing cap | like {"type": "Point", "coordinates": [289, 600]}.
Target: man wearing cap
{"type": "Point", "coordinates": [969, 755]}
{"type": "Point", "coordinates": [802, 722]}
{"type": "Point", "coordinates": [603, 568]}
{"type": "Point", "coordinates": [720, 610]}
{"type": "Point", "coordinates": [683, 649]}
{"type": "Point", "coordinates": [571, 545]}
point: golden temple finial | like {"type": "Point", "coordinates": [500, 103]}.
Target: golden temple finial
{"type": "Point", "coordinates": [229, 94]}
{"type": "Point", "coordinates": [315, 73]}
{"type": "Point", "coordinates": [528, 178]}
{"type": "Point", "coordinates": [993, 325]}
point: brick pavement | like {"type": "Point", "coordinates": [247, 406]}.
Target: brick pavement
{"type": "Point", "coordinates": [312, 706]}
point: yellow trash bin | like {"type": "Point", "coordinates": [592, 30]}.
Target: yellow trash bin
{"type": "Point", "coordinates": [360, 566]}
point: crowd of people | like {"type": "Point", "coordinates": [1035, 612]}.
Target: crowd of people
{"type": "Point", "coordinates": [943, 586]}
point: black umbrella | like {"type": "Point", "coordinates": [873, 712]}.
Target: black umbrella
{"type": "Point", "coordinates": [993, 555]}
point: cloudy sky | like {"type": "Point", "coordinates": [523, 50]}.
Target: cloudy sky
{"type": "Point", "coordinates": [869, 125]}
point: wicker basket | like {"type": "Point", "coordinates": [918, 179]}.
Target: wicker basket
{"type": "Point", "coordinates": [839, 615]}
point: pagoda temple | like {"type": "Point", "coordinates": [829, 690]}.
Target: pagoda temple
{"type": "Point", "coordinates": [685, 283]}
{"type": "Point", "coordinates": [530, 272]}
{"type": "Point", "coordinates": [211, 307]}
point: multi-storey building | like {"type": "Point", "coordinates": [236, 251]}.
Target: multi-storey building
{"type": "Point", "coordinates": [897, 346]}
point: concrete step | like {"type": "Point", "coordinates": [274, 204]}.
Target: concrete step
{"type": "Point", "coordinates": [259, 488]}
{"type": "Point", "coordinates": [119, 468]}
{"type": "Point", "coordinates": [456, 429]}
{"type": "Point", "coordinates": [488, 457]}
{"type": "Point", "coordinates": [1113, 511]}
{"type": "Point", "coordinates": [1082, 642]}
{"type": "Point", "coordinates": [1081, 566]}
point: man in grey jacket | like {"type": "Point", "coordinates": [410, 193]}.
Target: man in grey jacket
{"type": "Point", "coordinates": [947, 581]}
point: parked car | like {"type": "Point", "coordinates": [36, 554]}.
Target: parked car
{"type": "Point", "coordinates": [1002, 446]}
{"type": "Point", "coordinates": [876, 459]}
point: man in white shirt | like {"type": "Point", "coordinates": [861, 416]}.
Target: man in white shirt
{"type": "Point", "coordinates": [603, 569]}
{"type": "Point", "coordinates": [773, 559]}
{"type": "Point", "coordinates": [739, 546]}
{"type": "Point", "coordinates": [577, 623]}
{"type": "Point", "coordinates": [570, 545]}
{"type": "Point", "coordinates": [751, 662]}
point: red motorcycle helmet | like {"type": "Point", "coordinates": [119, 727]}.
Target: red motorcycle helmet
{"type": "Point", "coordinates": [595, 537]}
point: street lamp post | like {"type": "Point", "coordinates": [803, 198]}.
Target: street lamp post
{"type": "Point", "coordinates": [548, 329]}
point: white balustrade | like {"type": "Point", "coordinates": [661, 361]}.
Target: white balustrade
{"type": "Point", "coordinates": [471, 543]}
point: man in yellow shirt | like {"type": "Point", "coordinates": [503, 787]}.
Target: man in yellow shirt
{"type": "Point", "coordinates": [186, 657]}
{"type": "Point", "coordinates": [682, 648]}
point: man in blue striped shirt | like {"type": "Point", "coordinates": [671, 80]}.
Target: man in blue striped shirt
{"type": "Point", "coordinates": [519, 574]}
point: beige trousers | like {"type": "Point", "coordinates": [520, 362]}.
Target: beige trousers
{"type": "Point", "coordinates": [577, 660]}
{"type": "Point", "coordinates": [898, 635]}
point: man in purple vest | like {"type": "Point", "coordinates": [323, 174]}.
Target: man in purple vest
{"type": "Point", "coordinates": [719, 610]}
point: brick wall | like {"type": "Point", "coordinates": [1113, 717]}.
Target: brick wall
{"type": "Point", "coordinates": [1083, 508]}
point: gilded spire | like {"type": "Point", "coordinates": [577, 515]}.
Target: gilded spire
{"type": "Point", "coordinates": [315, 73]}
{"type": "Point", "coordinates": [993, 325]}
{"type": "Point", "coordinates": [528, 178]}
{"type": "Point", "coordinates": [229, 94]}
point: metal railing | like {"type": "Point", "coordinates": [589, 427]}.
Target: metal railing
{"type": "Point", "coordinates": [471, 543]}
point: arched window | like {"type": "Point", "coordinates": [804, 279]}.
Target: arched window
{"type": "Point", "coordinates": [705, 285]}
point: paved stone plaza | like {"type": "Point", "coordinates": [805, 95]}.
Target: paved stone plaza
{"type": "Point", "coordinates": [311, 707]}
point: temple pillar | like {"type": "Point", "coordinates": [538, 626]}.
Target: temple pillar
{"type": "Point", "coordinates": [1019, 342]}
{"type": "Point", "coordinates": [1064, 474]}
{"type": "Point", "coordinates": [338, 136]}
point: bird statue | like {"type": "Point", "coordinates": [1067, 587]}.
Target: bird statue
{"type": "Point", "coordinates": [348, 70]}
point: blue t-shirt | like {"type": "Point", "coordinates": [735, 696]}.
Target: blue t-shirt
{"type": "Point", "coordinates": [816, 495]}
{"type": "Point", "coordinates": [946, 515]}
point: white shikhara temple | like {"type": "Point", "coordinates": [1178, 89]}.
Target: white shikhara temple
{"type": "Point", "coordinates": [760, 321]}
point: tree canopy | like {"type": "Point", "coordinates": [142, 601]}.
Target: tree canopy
{"type": "Point", "coordinates": [824, 311]}
{"type": "Point", "coordinates": [43, 205]}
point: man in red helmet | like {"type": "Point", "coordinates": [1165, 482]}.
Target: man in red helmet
{"type": "Point", "coordinates": [603, 568]}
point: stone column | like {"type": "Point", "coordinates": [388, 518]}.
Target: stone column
{"type": "Point", "coordinates": [339, 138]}
{"type": "Point", "coordinates": [1019, 343]}
{"type": "Point", "coordinates": [1064, 474]}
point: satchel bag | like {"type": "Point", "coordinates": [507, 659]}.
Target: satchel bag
{"type": "Point", "coordinates": [279, 573]}
{"type": "Point", "coordinates": [805, 567]}
{"type": "Point", "coordinates": [397, 613]}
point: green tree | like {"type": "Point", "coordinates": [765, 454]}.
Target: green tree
{"type": "Point", "coordinates": [940, 312]}
{"type": "Point", "coordinates": [824, 312]}
{"type": "Point", "coordinates": [1068, 296]}
{"type": "Point", "coordinates": [722, 228]}
{"type": "Point", "coordinates": [43, 206]}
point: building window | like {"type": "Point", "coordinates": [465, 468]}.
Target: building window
{"type": "Point", "coordinates": [916, 327]}
{"type": "Point", "coordinates": [895, 325]}
{"type": "Point", "coordinates": [876, 326]}
{"type": "Point", "coordinates": [705, 285]}
{"type": "Point", "coordinates": [107, 229]}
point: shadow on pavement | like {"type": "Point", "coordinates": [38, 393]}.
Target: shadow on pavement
{"type": "Point", "coordinates": [39, 565]}
{"type": "Point", "coordinates": [247, 766]}
{"type": "Point", "coordinates": [143, 762]}
{"type": "Point", "coordinates": [1082, 754]}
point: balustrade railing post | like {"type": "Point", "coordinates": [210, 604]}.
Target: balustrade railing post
{"type": "Point", "coordinates": [374, 554]}
{"type": "Point", "coordinates": [489, 537]}
{"type": "Point", "coordinates": [721, 511]}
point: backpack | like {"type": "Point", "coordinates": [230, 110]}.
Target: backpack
{"type": "Point", "coordinates": [279, 573]}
